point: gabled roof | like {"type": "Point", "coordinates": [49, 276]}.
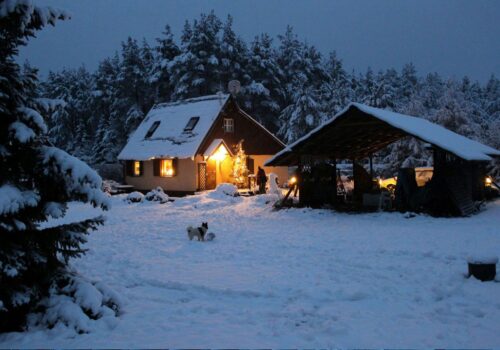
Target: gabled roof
{"type": "Point", "coordinates": [170, 140]}
{"type": "Point", "coordinates": [401, 125]}
{"type": "Point", "coordinates": [213, 147]}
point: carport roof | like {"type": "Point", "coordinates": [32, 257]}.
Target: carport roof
{"type": "Point", "coordinates": [360, 130]}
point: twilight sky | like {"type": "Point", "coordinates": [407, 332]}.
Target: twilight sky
{"type": "Point", "coordinates": [451, 37]}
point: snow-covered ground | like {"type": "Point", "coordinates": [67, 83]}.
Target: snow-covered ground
{"type": "Point", "coordinates": [291, 278]}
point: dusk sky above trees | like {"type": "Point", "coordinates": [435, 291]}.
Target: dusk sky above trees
{"type": "Point", "coordinates": [454, 38]}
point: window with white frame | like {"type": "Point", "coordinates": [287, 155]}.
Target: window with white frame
{"type": "Point", "coordinates": [228, 125]}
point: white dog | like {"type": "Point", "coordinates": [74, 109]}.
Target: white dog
{"type": "Point", "coordinates": [198, 232]}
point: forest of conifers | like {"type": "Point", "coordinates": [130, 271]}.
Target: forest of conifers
{"type": "Point", "coordinates": [287, 84]}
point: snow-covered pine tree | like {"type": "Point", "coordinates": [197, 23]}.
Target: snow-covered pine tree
{"type": "Point", "coordinates": [336, 91]}
{"type": "Point", "coordinates": [431, 92]}
{"type": "Point", "coordinates": [196, 71]}
{"type": "Point", "coordinates": [148, 60]}
{"type": "Point", "coordinates": [72, 125]}
{"type": "Point", "coordinates": [303, 74]}
{"type": "Point", "coordinates": [107, 97]}
{"type": "Point", "coordinates": [365, 87]}
{"type": "Point", "coordinates": [261, 94]}
{"type": "Point", "coordinates": [290, 59]}
{"type": "Point", "coordinates": [454, 112]}
{"type": "Point", "coordinates": [491, 106]}
{"type": "Point", "coordinates": [385, 94]}
{"type": "Point", "coordinates": [166, 51]}
{"type": "Point", "coordinates": [301, 116]}
{"type": "Point", "coordinates": [233, 55]}
{"type": "Point", "coordinates": [36, 179]}
{"type": "Point", "coordinates": [408, 85]}
{"type": "Point", "coordinates": [134, 77]}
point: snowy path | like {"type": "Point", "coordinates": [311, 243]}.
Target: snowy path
{"type": "Point", "coordinates": [292, 278]}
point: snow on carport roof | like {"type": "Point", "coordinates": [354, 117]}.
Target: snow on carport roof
{"type": "Point", "coordinates": [448, 140]}
{"type": "Point", "coordinates": [170, 139]}
{"type": "Point", "coordinates": [435, 134]}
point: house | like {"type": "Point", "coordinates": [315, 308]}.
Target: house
{"type": "Point", "coordinates": [359, 131]}
{"type": "Point", "coordinates": [188, 146]}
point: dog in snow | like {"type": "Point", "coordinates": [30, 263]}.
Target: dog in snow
{"type": "Point", "coordinates": [198, 232]}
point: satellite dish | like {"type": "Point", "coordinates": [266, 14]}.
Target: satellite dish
{"type": "Point", "coordinates": [234, 87]}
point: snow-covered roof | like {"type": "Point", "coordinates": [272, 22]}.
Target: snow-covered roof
{"type": "Point", "coordinates": [213, 147]}
{"type": "Point", "coordinates": [170, 139]}
{"type": "Point", "coordinates": [435, 134]}
{"type": "Point", "coordinates": [423, 129]}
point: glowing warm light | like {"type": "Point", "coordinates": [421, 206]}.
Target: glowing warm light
{"type": "Point", "coordinates": [137, 168]}
{"type": "Point", "coordinates": [488, 181]}
{"type": "Point", "coordinates": [166, 168]}
{"type": "Point", "coordinates": [220, 154]}
{"type": "Point", "coordinates": [293, 180]}
{"type": "Point", "coordinates": [380, 182]}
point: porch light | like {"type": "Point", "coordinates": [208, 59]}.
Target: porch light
{"type": "Point", "coordinates": [293, 180]}
{"type": "Point", "coordinates": [220, 154]}
{"type": "Point", "coordinates": [488, 181]}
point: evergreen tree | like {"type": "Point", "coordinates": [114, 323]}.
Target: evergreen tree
{"type": "Point", "coordinates": [134, 73]}
{"type": "Point", "coordinates": [290, 60]}
{"type": "Point", "coordinates": [366, 89]}
{"type": "Point", "coordinates": [72, 125]}
{"type": "Point", "coordinates": [36, 179]}
{"type": "Point", "coordinates": [166, 51]}
{"type": "Point", "coordinates": [385, 93]}
{"type": "Point", "coordinates": [409, 84]}
{"type": "Point", "coordinates": [107, 98]}
{"type": "Point", "coordinates": [454, 112]}
{"type": "Point", "coordinates": [336, 91]}
{"type": "Point", "coordinates": [196, 70]}
{"type": "Point", "coordinates": [233, 55]}
{"type": "Point", "coordinates": [262, 93]}
{"type": "Point", "coordinates": [303, 74]}
{"type": "Point", "coordinates": [301, 116]}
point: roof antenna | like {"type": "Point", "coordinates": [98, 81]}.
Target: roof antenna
{"type": "Point", "coordinates": [234, 87]}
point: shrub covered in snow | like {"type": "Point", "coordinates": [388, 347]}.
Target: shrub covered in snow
{"type": "Point", "coordinates": [227, 189]}
{"type": "Point", "coordinates": [135, 197]}
{"type": "Point", "coordinates": [73, 302]}
{"type": "Point", "coordinates": [108, 186]}
{"type": "Point", "coordinates": [157, 195]}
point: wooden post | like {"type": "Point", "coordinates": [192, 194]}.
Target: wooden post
{"type": "Point", "coordinates": [334, 179]}
{"type": "Point", "coordinates": [353, 176]}
{"type": "Point", "coordinates": [371, 166]}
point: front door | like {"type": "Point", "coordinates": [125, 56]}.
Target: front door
{"type": "Point", "coordinates": [211, 171]}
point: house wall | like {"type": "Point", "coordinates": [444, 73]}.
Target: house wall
{"type": "Point", "coordinates": [281, 171]}
{"type": "Point", "coordinates": [184, 181]}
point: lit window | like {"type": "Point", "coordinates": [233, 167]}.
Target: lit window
{"type": "Point", "coordinates": [166, 168]}
{"type": "Point", "coordinates": [228, 125]}
{"type": "Point", "coordinates": [137, 168]}
{"type": "Point", "coordinates": [152, 129]}
{"type": "Point", "coordinates": [191, 123]}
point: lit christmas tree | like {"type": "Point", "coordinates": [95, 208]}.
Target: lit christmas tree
{"type": "Point", "coordinates": [240, 170]}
